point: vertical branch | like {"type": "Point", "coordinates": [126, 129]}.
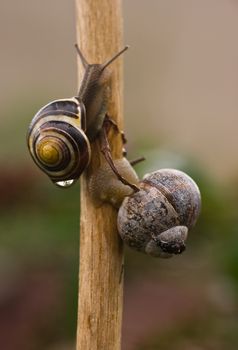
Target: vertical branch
{"type": "Point", "coordinates": [99, 35]}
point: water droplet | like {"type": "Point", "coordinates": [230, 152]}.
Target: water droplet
{"type": "Point", "coordinates": [66, 183]}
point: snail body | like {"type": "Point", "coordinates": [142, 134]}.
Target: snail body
{"type": "Point", "coordinates": [156, 219]}
{"type": "Point", "coordinates": [60, 133]}
{"type": "Point", "coordinates": [105, 187]}
{"type": "Point", "coordinates": [94, 94]}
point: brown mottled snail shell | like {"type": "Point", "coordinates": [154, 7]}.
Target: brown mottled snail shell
{"type": "Point", "coordinates": [156, 219]}
{"type": "Point", "coordinates": [57, 142]}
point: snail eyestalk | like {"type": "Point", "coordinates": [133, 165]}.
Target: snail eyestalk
{"type": "Point", "coordinates": [106, 151]}
{"type": "Point", "coordinates": [114, 57]}
{"type": "Point", "coordinates": [83, 59]}
{"type": "Point", "coordinates": [137, 160]}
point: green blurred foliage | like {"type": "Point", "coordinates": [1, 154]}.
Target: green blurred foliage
{"type": "Point", "coordinates": [40, 232]}
{"type": "Point", "coordinates": [44, 234]}
{"type": "Point", "coordinates": [212, 333]}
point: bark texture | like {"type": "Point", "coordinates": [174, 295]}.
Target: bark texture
{"type": "Point", "coordinates": [99, 36]}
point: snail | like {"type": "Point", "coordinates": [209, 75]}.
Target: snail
{"type": "Point", "coordinates": [156, 219]}
{"type": "Point", "coordinates": [60, 134]}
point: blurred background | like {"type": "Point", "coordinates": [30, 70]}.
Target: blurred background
{"type": "Point", "coordinates": [181, 102]}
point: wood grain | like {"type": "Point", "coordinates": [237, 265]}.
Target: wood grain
{"type": "Point", "coordinates": [99, 35]}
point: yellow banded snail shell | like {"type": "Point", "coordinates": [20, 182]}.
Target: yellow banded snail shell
{"type": "Point", "coordinates": [57, 142]}
{"type": "Point", "coordinates": [156, 219]}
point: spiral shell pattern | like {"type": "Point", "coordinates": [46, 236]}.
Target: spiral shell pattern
{"type": "Point", "coordinates": [180, 190]}
{"type": "Point", "coordinates": [57, 142]}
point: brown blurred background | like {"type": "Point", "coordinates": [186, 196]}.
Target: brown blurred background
{"type": "Point", "coordinates": [181, 102]}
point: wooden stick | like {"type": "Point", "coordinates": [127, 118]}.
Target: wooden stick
{"type": "Point", "coordinates": [99, 36]}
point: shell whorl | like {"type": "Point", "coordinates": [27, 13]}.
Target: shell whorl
{"type": "Point", "coordinates": [180, 190]}
{"type": "Point", "coordinates": [57, 142]}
